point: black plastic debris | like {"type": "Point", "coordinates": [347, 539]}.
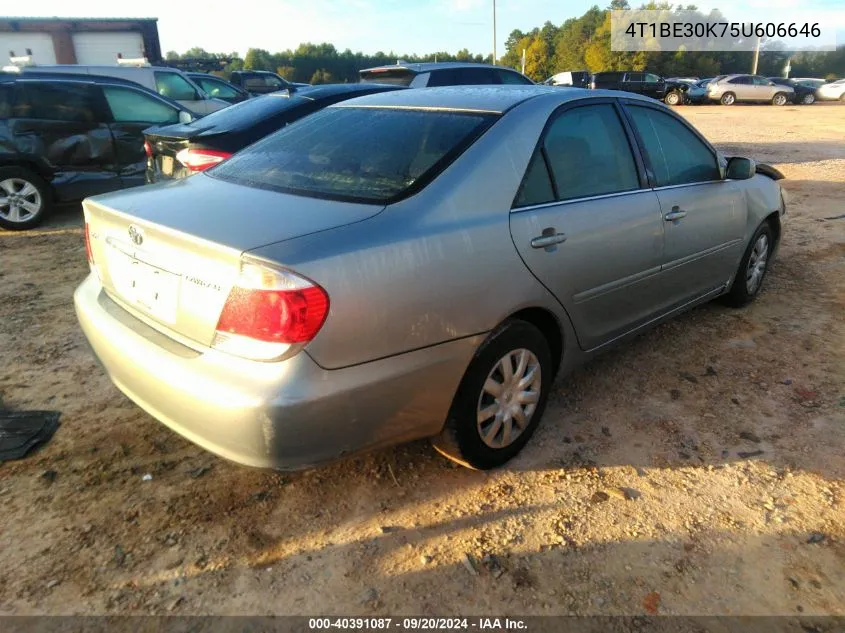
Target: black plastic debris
{"type": "Point", "coordinates": [21, 431]}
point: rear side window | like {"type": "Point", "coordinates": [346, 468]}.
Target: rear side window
{"type": "Point", "coordinates": [58, 101]}
{"type": "Point", "coordinates": [634, 77]}
{"type": "Point", "coordinates": [357, 154]}
{"type": "Point", "coordinates": [676, 154]}
{"type": "Point", "coordinates": [393, 76]}
{"type": "Point", "coordinates": [509, 78]}
{"type": "Point", "coordinates": [218, 88]}
{"type": "Point", "coordinates": [175, 86]}
{"type": "Point", "coordinates": [263, 84]}
{"type": "Point", "coordinates": [742, 81]}
{"type": "Point", "coordinates": [129, 105]}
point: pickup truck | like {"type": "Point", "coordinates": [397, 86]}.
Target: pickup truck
{"type": "Point", "coordinates": [648, 84]}
{"type": "Point", "coordinates": [260, 82]}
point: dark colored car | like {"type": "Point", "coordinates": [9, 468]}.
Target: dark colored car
{"type": "Point", "coordinates": [804, 91]}
{"type": "Point", "coordinates": [260, 82]}
{"type": "Point", "coordinates": [647, 84]}
{"type": "Point", "coordinates": [178, 151]}
{"type": "Point", "coordinates": [429, 75]}
{"type": "Point", "coordinates": [66, 137]}
{"type": "Point", "coordinates": [219, 88]}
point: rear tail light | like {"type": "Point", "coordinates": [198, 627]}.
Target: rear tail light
{"type": "Point", "coordinates": [148, 149]}
{"type": "Point", "coordinates": [269, 312]}
{"type": "Point", "coordinates": [201, 159]}
{"type": "Point", "coordinates": [88, 252]}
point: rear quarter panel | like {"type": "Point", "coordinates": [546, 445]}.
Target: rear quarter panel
{"type": "Point", "coordinates": [438, 266]}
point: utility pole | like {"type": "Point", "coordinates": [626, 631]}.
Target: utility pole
{"type": "Point", "coordinates": [523, 61]}
{"type": "Point", "coordinates": [494, 32]}
{"type": "Point", "coordinates": [756, 57]}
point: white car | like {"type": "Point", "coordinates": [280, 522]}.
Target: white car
{"type": "Point", "coordinates": [832, 91]}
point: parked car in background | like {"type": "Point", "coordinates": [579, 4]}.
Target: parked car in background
{"type": "Point", "coordinates": [327, 290]}
{"type": "Point", "coordinates": [576, 78]}
{"type": "Point", "coordinates": [697, 92]}
{"type": "Point", "coordinates": [804, 91]}
{"type": "Point", "coordinates": [66, 137]}
{"type": "Point", "coordinates": [177, 151]}
{"type": "Point", "coordinates": [646, 84]}
{"type": "Point", "coordinates": [261, 82]}
{"type": "Point", "coordinates": [731, 89]}
{"type": "Point", "coordinates": [219, 88]}
{"type": "Point", "coordinates": [832, 91]}
{"type": "Point", "coordinates": [429, 75]}
{"type": "Point", "coordinates": [168, 82]}
{"type": "Point", "coordinates": [686, 80]}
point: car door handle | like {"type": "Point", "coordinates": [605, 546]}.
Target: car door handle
{"type": "Point", "coordinates": [546, 240]}
{"type": "Point", "coordinates": [675, 214]}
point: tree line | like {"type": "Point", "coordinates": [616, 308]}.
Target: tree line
{"type": "Point", "coordinates": [581, 43]}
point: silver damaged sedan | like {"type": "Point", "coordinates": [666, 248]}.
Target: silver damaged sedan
{"type": "Point", "coordinates": [415, 264]}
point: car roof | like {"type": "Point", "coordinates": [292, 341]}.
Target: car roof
{"type": "Point", "coordinates": [490, 99]}
{"type": "Point", "coordinates": [424, 67]}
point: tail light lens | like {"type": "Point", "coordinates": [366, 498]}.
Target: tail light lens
{"type": "Point", "coordinates": [148, 149]}
{"type": "Point", "coordinates": [88, 252]}
{"type": "Point", "coordinates": [201, 159]}
{"type": "Point", "coordinates": [268, 312]}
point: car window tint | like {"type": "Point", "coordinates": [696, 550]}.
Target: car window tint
{"type": "Point", "coordinates": [58, 101]}
{"type": "Point", "coordinates": [174, 86]}
{"type": "Point", "coordinates": [218, 88]}
{"type": "Point", "coordinates": [744, 81]}
{"type": "Point", "coordinates": [652, 78]}
{"type": "Point", "coordinates": [510, 78]}
{"type": "Point", "coordinates": [589, 153]}
{"type": "Point", "coordinates": [394, 76]}
{"type": "Point", "coordinates": [446, 77]}
{"type": "Point", "coordinates": [676, 154]}
{"type": "Point", "coordinates": [760, 81]}
{"type": "Point", "coordinates": [6, 100]}
{"type": "Point", "coordinates": [128, 105]}
{"type": "Point", "coordinates": [537, 186]}
{"type": "Point", "coordinates": [348, 153]}
{"type": "Point", "coordinates": [634, 77]}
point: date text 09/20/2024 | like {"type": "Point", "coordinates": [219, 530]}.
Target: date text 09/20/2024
{"type": "Point", "coordinates": [417, 624]}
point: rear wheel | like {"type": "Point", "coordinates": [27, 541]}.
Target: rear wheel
{"type": "Point", "coordinates": [501, 398]}
{"type": "Point", "coordinates": [752, 268]}
{"type": "Point", "coordinates": [673, 98]}
{"type": "Point", "coordinates": [728, 98]}
{"type": "Point", "coordinates": [24, 198]}
{"type": "Point", "coordinates": [780, 99]}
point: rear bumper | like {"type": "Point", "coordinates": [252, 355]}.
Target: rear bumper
{"type": "Point", "coordinates": [285, 416]}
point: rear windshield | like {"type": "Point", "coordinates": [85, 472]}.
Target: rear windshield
{"type": "Point", "coordinates": [246, 113]}
{"type": "Point", "coordinates": [358, 154]}
{"type": "Point", "coordinates": [394, 76]}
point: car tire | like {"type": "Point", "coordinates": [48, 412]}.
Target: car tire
{"type": "Point", "coordinates": [24, 198]}
{"type": "Point", "coordinates": [727, 99]}
{"type": "Point", "coordinates": [475, 441]}
{"type": "Point", "coordinates": [808, 99]}
{"type": "Point", "coordinates": [752, 268]}
{"type": "Point", "coordinates": [780, 99]}
{"type": "Point", "coordinates": [673, 98]}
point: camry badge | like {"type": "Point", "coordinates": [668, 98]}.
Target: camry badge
{"type": "Point", "coordinates": [136, 235]}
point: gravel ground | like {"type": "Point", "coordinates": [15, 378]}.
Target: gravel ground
{"type": "Point", "coordinates": [698, 470]}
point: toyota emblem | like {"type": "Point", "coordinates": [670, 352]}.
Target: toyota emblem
{"type": "Point", "coordinates": [136, 235]}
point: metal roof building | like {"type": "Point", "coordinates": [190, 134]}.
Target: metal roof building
{"type": "Point", "coordinates": [79, 40]}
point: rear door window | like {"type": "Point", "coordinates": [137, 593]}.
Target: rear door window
{"type": "Point", "coordinates": [217, 88]}
{"type": "Point", "coordinates": [59, 101]}
{"type": "Point", "coordinates": [742, 81]}
{"type": "Point", "coordinates": [358, 154]}
{"type": "Point", "coordinates": [175, 86]}
{"type": "Point", "coordinates": [677, 156]}
{"type": "Point", "coordinates": [128, 105]}
{"type": "Point", "coordinates": [510, 78]}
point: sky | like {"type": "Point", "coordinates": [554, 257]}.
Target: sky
{"type": "Point", "coordinates": [403, 26]}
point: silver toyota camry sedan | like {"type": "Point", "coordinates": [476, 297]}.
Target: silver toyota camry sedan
{"type": "Point", "coordinates": [414, 264]}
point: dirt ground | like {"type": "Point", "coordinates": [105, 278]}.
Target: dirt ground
{"type": "Point", "coordinates": [698, 470]}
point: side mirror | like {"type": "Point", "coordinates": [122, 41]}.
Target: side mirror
{"type": "Point", "coordinates": [740, 168]}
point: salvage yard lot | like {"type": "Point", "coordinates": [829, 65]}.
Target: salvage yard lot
{"type": "Point", "coordinates": [698, 470]}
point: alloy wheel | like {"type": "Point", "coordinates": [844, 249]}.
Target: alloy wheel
{"type": "Point", "coordinates": [757, 263]}
{"type": "Point", "coordinates": [20, 200]}
{"type": "Point", "coordinates": [509, 398]}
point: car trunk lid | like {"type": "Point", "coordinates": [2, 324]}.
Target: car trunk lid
{"type": "Point", "coordinates": [171, 260]}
